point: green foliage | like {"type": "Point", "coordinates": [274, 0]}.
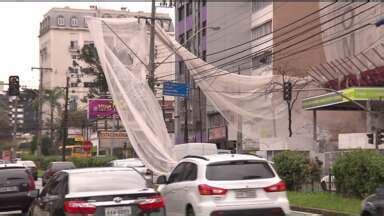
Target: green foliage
{"type": "Point", "coordinates": [46, 146]}
{"type": "Point", "coordinates": [359, 173]}
{"type": "Point", "coordinates": [43, 161]}
{"type": "Point", "coordinates": [296, 169]}
{"type": "Point", "coordinates": [92, 161]}
{"type": "Point", "coordinates": [323, 200]}
{"type": "Point", "coordinates": [89, 55]}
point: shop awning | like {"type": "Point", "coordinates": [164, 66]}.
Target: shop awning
{"type": "Point", "coordinates": [334, 101]}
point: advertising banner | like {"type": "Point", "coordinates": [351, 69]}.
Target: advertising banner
{"type": "Point", "coordinates": [101, 108]}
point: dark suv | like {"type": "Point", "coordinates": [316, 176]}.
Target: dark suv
{"type": "Point", "coordinates": [54, 167]}
{"type": "Point", "coordinates": [17, 188]}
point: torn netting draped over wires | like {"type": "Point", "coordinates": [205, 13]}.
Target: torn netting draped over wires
{"type": "Point", "coordinates": [254, 100]}
{"type": "Point", "coordinates": [125, 73]}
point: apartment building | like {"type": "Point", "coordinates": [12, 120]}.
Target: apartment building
{"type": "Point", "coordinates": [64, 31]}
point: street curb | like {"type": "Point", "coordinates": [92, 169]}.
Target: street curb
{"type": "Point", "coordinates": [318, 211]}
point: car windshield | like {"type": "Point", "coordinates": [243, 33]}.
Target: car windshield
{"type": "Point", "coordinates": [11, 174]}
{"type": "Point", "coordinates": [114, 180]}
{"type": "Point", "coordinates": [238, 170]}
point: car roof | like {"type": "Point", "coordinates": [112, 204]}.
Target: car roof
{"type": "Point", "coordinates": [97, 169]}
{"type": "Point", "coordinates": [62, 162]}
{"type": "Point", "coordinates": [224, 157]}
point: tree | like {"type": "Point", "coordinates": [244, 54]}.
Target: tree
{"type": "Point", "coordinates": [52, 97]}
{"type": "Point", "coordinates": [99, 86]}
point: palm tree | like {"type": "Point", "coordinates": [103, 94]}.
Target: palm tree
{"type": "Point", "coordinates": [52, 97]}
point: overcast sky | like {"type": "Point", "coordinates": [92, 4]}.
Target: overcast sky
{"type": "Point", "coordinates": [19, 42]}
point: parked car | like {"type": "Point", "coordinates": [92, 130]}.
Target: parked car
{"type": "Point", "coordinates": [31, 166]}
{"type": "Point", "coordinates": [17, 188]}
{"type": "Point", "coordinates": [326, 185]}
{"type": "Point", "coordinates": [224, 184]}
{"type": "Point", "coordinates": [130, 162]}
{"type": "Point", "coordinates": [54, 167]}
{"type": "Point", "coordinates": [106, 191]}
{"type": "Point", "coordinates": [373, 205]}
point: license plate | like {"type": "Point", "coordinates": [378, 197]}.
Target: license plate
{"type": "Point", "coordinates": [246, 193]}
{"type": "Point", "coordinates": [8, 189]}
{"type": "Point", "coordinates": [118, 211]}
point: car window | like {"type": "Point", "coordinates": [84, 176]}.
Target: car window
{"type": "Point", "coordinates": [105, 180]}
{"type": "Point", "coordinates": [189, 172]}
{"type": "Point", "coordinates": [177, 174]}
{"type": "Point", "coordinates": [13, 174]}
{"type": "Point", "coordinates": [238, 170]}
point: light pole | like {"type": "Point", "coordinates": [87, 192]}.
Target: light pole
{"type": "Point", "coordinates": [39, 107]}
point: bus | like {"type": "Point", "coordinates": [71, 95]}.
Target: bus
{"type": "Point", "coordinates": [75, 151]}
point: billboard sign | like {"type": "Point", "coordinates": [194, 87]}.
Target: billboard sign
{"type": "Point", "coordinates": [101, 108]}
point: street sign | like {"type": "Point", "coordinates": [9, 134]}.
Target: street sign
{"type": "Point", "coordinates": [102, 108]}
{"type": "Point", "coordinates": [87, 145]}
{"type": "Point", "coordinates": [175, 89]}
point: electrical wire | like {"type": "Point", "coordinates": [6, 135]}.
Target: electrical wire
{"type": "Point", "coordinates": [289, 46]}
{"type": "Point", "coordinates": [297, 52]}
{"type": "Point", "coordinates": [275, 31]}
{"type": "Point", "coordinates": [264, 42]}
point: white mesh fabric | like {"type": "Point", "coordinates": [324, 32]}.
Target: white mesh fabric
{"type": "Point", "coordinates": [136, 104]}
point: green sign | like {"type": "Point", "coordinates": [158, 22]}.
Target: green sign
{"type": "Point", "coordinates": [356, 94]}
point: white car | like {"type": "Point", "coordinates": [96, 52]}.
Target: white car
{"type": "Point", "coordinates": [130, 162]}
{"type": "Point", "coordinates": [224, 184]}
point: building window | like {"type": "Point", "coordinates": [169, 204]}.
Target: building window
{"type": "Point", "coordinates": [60, 21]}
{"type": "Point", "coordinates": [74, 21]}
{"type": "Point", "coordinates": [262, 30]}
{"type": "Point", "coordinates": [260, 4]}
{"type": "Point", "coordinates": [181, 68]}
{"type": "Point", "coordinates": [204, 55]}
{"type": "Point", "coordinates": [204, 3]}
{"type": "Point", "coordinates": [181, 39]}
{"type": "Point", "coordinates": [74, 45]}
{"type": "Point", "coordinates": [189, 40]}
{"type": "Point", "coordinates": [189, 8]}
{"type": "Point", "coordinates": [262, 60]}
{"type": "Point", "coordinates": [180, 12]}
{"type": "Point", "coordinates": [204, 27]}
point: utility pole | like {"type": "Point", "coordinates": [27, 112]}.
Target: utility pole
{"type": "Point", "coordinates": [151, 77]}
{"type": "Point", "coordinates": [65, 121]}
{"type": "Point", "coordinates": [39, 108]}
{"type": "Point", "coordinates": [239, 140]}
{"type": "Point", "coordinates": [186, 109]}
{"type": "Point", "coordinates": [15, 121]}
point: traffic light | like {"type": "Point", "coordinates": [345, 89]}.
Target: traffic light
{"type": "Point", "coordinates": [14, 86]}
{"type": "Point", "coordinates": [379, 137]}
{"type": "Point", "coordinates": [287, 91]}
{"type": "Point", "coordinates": [370, 138]}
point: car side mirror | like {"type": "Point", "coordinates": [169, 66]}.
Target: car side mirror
{"type": "Point", "coordinates": [161, 180]}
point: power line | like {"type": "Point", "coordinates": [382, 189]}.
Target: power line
{"type": "Point", "coordinates": [264, 42]}
{"type": "Point", "coordinates": [275, 31]}
{"type": "Point", "coordinates": [214, 68]}
{"type": "Point", "coordinates": [297, 52]}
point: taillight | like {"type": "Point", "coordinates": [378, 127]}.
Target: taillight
{"type": "Point", "coordinates": [151, 203]}
{"type": "Point", "coordinates": [208, 190]}
{"type": "Point", "coordinates": [31, 183]}
{"type": "Point", "coordinates": [279, 187]}
{"type": "Point", "coordinates": [79, 207]}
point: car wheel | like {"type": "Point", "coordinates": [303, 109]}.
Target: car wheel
{"type": "Point", "coordinates": [324, 186]}
{"type": "Point", "coordinates": [190, 211]}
